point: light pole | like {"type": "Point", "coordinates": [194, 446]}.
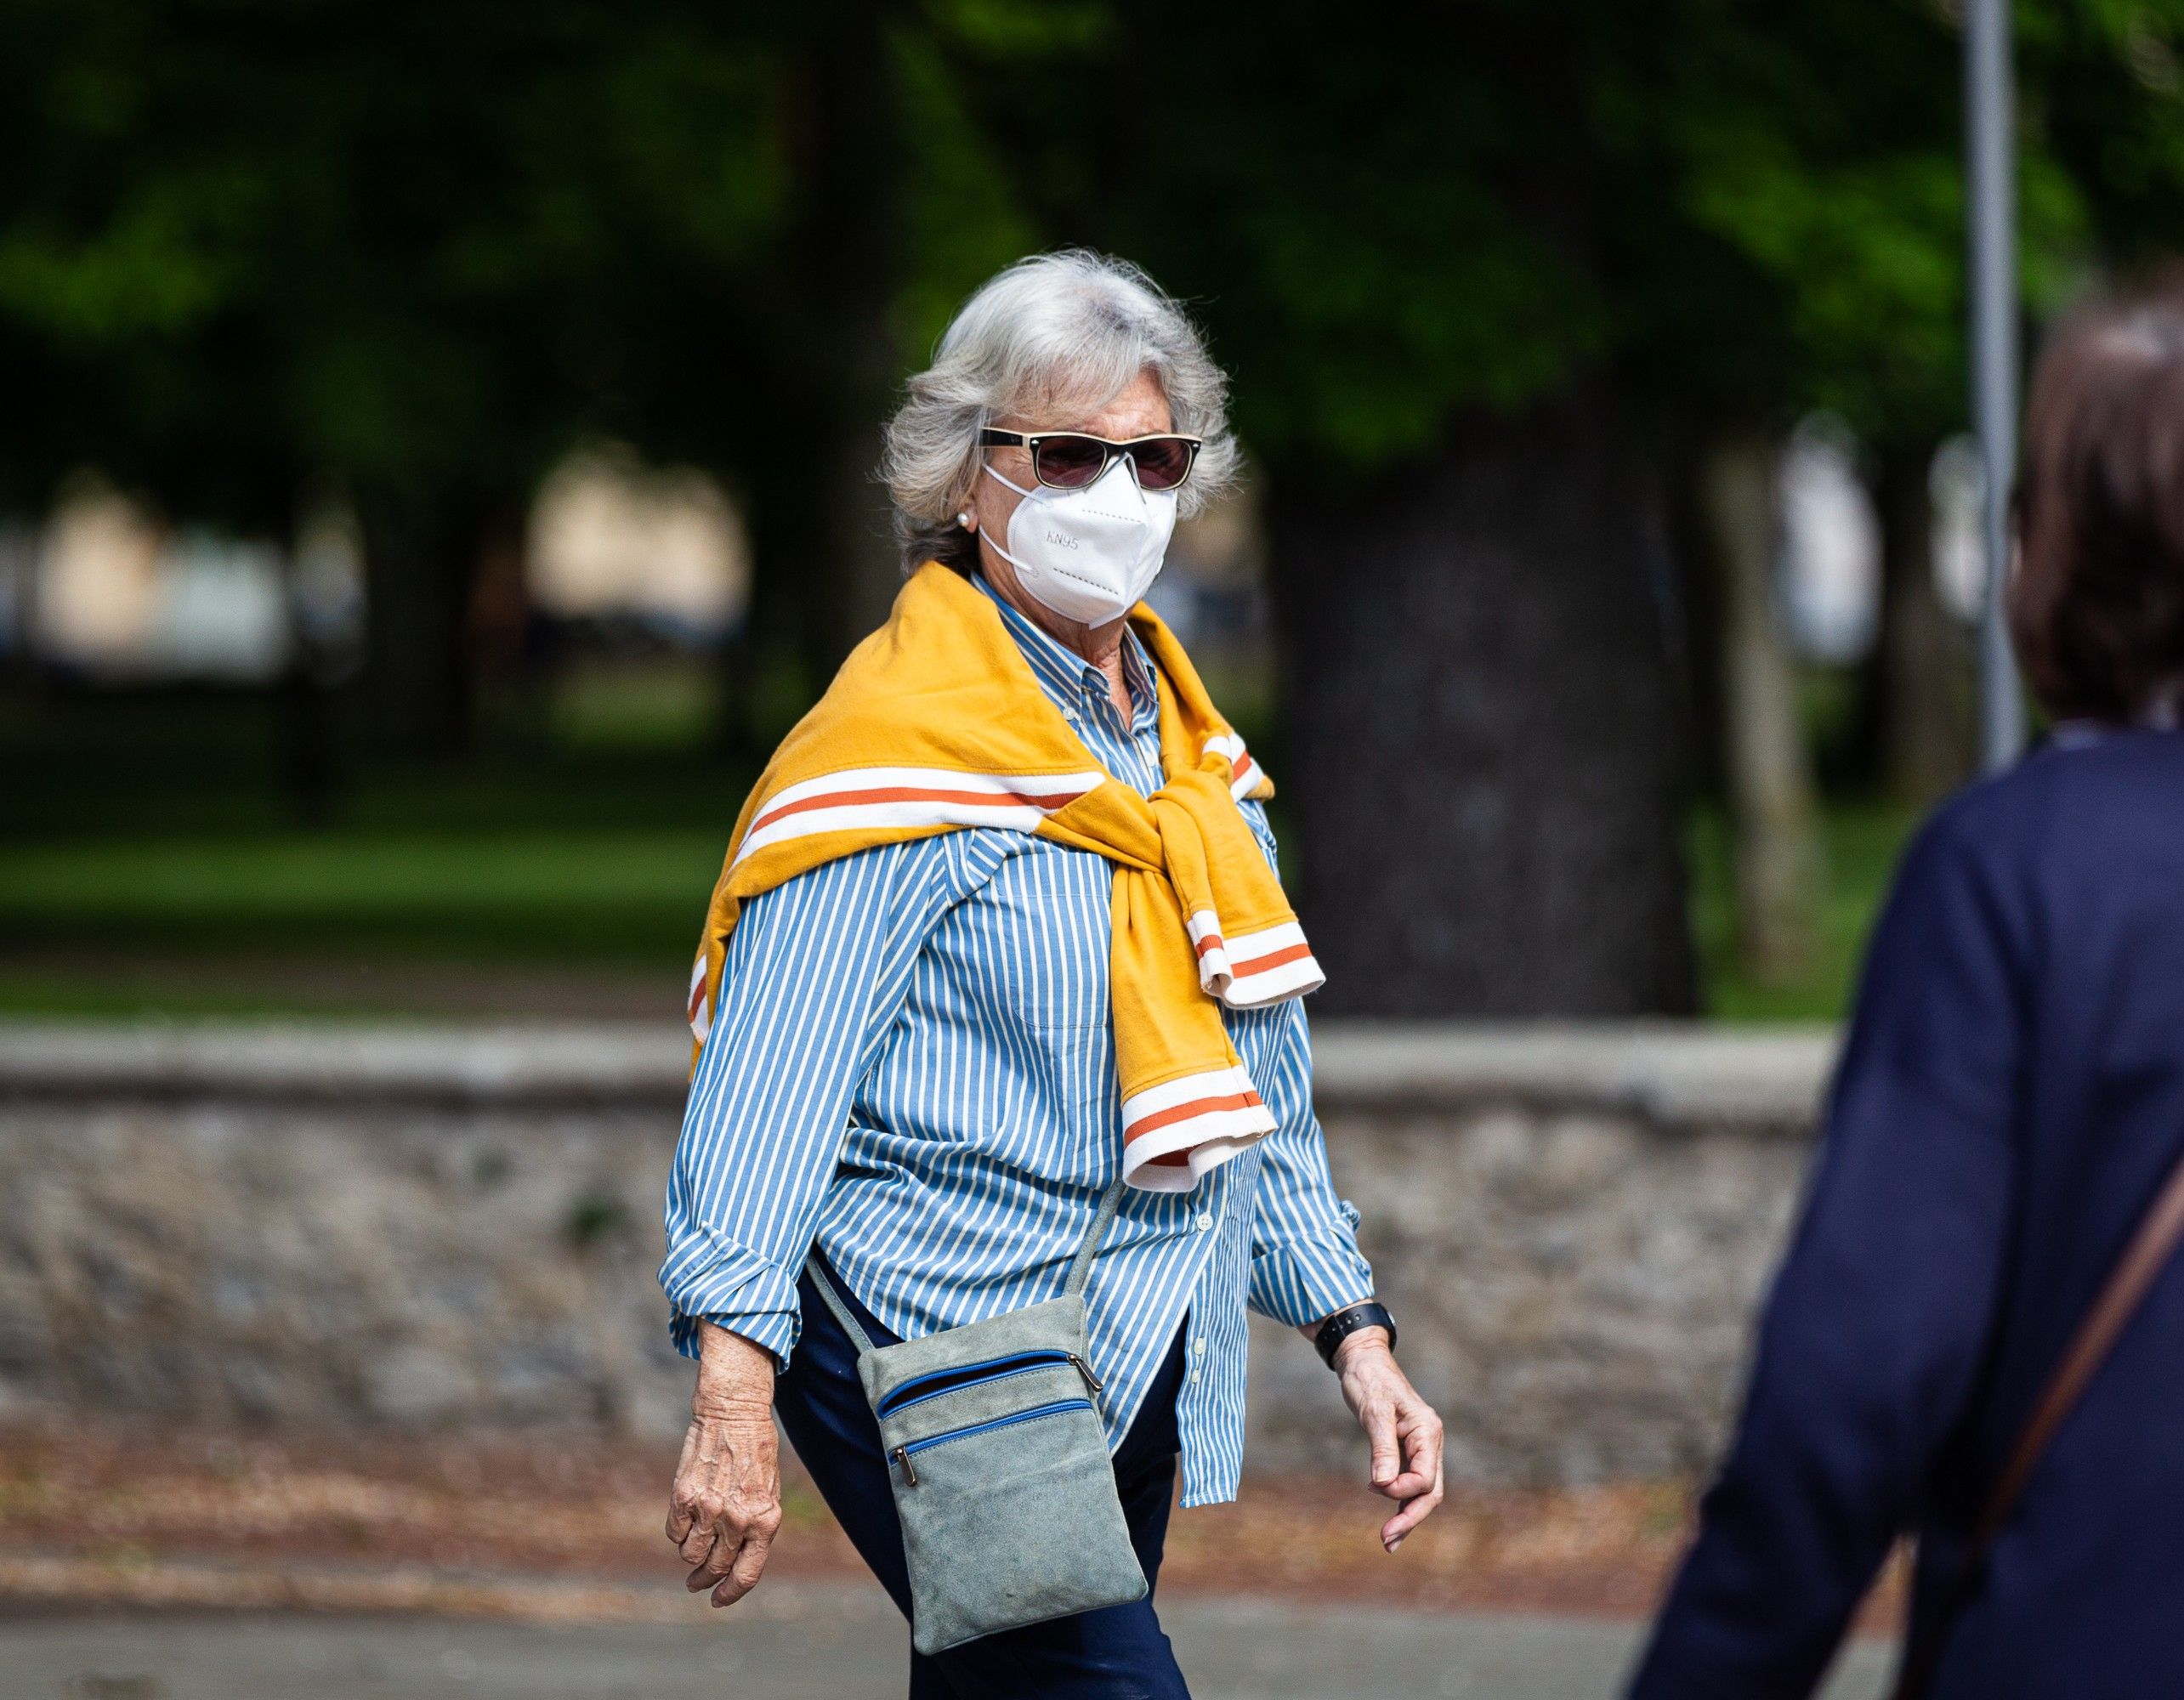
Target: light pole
{"type": "Point", "coordinates": [1991, 184]}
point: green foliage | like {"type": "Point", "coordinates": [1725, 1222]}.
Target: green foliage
{"type": "Point", "coordinates": [429, 245]}
{"type": "Point", "coordinates": [1756, 209]}
{"type": "Point", "coordinates": [405, 245]}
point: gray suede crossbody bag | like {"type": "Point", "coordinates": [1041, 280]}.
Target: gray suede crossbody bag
{"type": "Point", "coordinates": [999, 1464]}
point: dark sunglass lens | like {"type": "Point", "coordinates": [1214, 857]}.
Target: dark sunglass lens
{"type": "Point", "coordinates": [1162, 463]}
{"type": "Point", "coordinates": [1070, 462]}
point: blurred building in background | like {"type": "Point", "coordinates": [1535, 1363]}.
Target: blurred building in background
{"type": "Point", "coordinates": [1830, 542]}
{"type": "Point", "coordinates": [613, 540]}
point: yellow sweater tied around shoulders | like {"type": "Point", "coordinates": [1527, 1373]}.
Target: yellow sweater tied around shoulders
{"type": "Point", "coordinates": [935, 722]}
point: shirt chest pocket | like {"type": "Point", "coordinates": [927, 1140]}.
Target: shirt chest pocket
{"type": "Point", "coordinates": [1023, 956]}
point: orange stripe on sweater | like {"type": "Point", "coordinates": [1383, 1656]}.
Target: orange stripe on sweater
{"type": "Point", "coordinates": [1272, 959]}
{"type": "Point", "coordinates": [1197, 1107]}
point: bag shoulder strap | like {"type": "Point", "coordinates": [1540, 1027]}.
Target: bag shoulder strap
{"type": "Point", "coordinates": [1080, 1268]}
{"type": "Point", "coordinates": [1094, 1237]}
{"type": "Point", "coordinates": [850, 1325]}
{"type": "Point", "coordinates": [2152, 1245]}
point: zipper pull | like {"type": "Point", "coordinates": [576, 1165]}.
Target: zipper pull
{"type": "Point", "coordinates": [1085, 1369]}
{"type": "Point", "coordinates": [909, 1469]}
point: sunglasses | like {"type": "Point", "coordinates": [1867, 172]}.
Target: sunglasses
{"type": "Point", "coordinates": [1070, 460]}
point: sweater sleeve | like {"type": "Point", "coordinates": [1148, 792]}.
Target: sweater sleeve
{"type": "Point", "coordinates": [1879, 1316]}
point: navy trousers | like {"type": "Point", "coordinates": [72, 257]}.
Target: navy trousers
{"type": "Point", "coordinates": [1119, 1653]}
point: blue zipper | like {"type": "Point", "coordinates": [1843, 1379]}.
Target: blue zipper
{"type": "Point", "coordinates": [978, 1374]}
{"type": "Point", "coordinates": [910, 1470]}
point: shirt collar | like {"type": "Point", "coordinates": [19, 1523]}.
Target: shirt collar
{"type": "Point", "coordinates": [1064, 675]}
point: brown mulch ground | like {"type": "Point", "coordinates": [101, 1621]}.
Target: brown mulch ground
{"type": "Point", "coordinates": [571, 1526]}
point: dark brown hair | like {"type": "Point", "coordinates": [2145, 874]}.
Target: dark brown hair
{"type": "Point", "coordinates": [2097, 604]}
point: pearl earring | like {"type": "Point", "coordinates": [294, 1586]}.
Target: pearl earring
{"type": "Point", "coordinates": [963, 520]}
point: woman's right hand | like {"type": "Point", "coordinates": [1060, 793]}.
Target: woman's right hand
{"type": "Point", "coordinates": [726, 1508]}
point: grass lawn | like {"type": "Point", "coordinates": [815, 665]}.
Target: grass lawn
{"type": "Point", "coordinates": [1863, 842]}
{"type": "Point", "coordinates": [146, 865]}
{"type": "Point", "coordinates": [625, 897]}
{"type": "Point", "coordinates": [369, 910]}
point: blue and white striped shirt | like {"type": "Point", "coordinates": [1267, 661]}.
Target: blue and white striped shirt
{"type": "Point", "coordinates": [912, 1061]}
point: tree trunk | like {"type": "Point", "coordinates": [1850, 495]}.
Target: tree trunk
{"type": "Point", "coordinates": [305, 758]}
{"type": "Point", "coordinates": [1478, 744]}
{"type": "Point", "coordinates": [421, 565]}
{"type": "Point", "coordinates": [823, 553]}
{"type": "Point", "coordinates": [18, 584]}
{"type": "Point", "coordinates": [1779, 863]}
{"type": "Point", "coordinates": [1924, 681]}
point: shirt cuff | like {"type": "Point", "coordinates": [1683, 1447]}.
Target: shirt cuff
{"type": "Point", "coordinates": [733, 1288]}
{"type": "Point", "coordinates": [1301, 1284]}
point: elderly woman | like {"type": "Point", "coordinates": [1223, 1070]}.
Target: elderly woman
{"type": "Point", "coordinates": [2010, 1108]}
{"type": "Point", "coordinates": [999, 943]}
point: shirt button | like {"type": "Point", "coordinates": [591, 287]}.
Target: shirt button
{"type": "Point", "coordinates": [1194, 1376]}
{"type": "Point", "coordinates": [1198, 1345]}
{"type": "Point", "coordinates": [1205, 1221]}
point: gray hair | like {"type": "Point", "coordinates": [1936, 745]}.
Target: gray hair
{"type": "Point", "coordinates": [1069, 330]}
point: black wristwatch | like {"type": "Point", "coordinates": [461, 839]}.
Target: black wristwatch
{"type": "Point", "coordinates": [1345, 1323]}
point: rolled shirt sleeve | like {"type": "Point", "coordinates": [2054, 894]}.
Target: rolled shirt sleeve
{"type": "Point", "coordinates": [1305, 1261]}
{"type": "Point", "coordinates": [813, 977]}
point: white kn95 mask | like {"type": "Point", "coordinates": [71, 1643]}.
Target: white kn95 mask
{"type": "Point", "coordinates": [1089, 553]}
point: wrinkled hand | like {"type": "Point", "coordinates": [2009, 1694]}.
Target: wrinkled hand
{"type": "Point", "coordinates": [1404, 1432]}
{"type": "Point", "coordinates": [726, 1507]}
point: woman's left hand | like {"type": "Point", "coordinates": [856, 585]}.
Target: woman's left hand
{"type": "Point", "coordinates": [1404, 1429]}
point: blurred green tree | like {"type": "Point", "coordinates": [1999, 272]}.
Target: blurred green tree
{"type": "Point", "coordinates": [251, 250]}
{"type": "Point", "coordinates": [1494, 296]}
{"type": "Point", "coordinates": [1496, 286]}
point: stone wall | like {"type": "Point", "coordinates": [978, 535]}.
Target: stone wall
{"type": "Point", "coordinates": [325, 1226]}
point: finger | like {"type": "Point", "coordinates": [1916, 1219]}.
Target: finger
{"type": "Point", "coordinates": [693, 1474]}
{"type": "Point", "coordinates": [1406, 1487]}
{"type": "Point", "coordinates": [1416, 1477]}
{"type": "Point", "coordinates": [750, 1564]}
{"type": "Point", "coordinates": [697, 1546]}
{"type": "Point", "coordinates": [704, 1576]}
{"type": "Point", "coordinates": [1421, 1458]}
{"type": "Point", "coordinates": [720, 1561]}
{"type": "Point", "coordinates": [1427, 1445]}
{"type": "Point", "coordinates": [1415, 1510]}
{"type": "Point", "coordinates": [728, 1538]}
{"type": "Point", "coordinates": [679, 1514]}
{"type": "Point", "coordinates": [1398, 1528]}
{"type": "Point", "coordinates": [1378, 1422]}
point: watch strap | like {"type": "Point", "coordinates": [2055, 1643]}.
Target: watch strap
{"type": "Point", "coordinates": [1347, 1322]}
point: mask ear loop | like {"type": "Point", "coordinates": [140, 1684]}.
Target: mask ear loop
{"type": "Point", "coordinates": [1003, 478]}
{"type": "Point", "coordinates": [986, 532]}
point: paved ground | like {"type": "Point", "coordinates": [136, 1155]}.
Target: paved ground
{"type": "Point", "coordinates": [814, 1640]}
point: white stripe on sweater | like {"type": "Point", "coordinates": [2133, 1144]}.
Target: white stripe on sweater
{"type": "Point", "coordinates": [859, 799]}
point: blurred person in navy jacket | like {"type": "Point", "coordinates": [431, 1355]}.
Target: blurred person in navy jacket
{"type": "Point", "coordinates": [2009, 1103]}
